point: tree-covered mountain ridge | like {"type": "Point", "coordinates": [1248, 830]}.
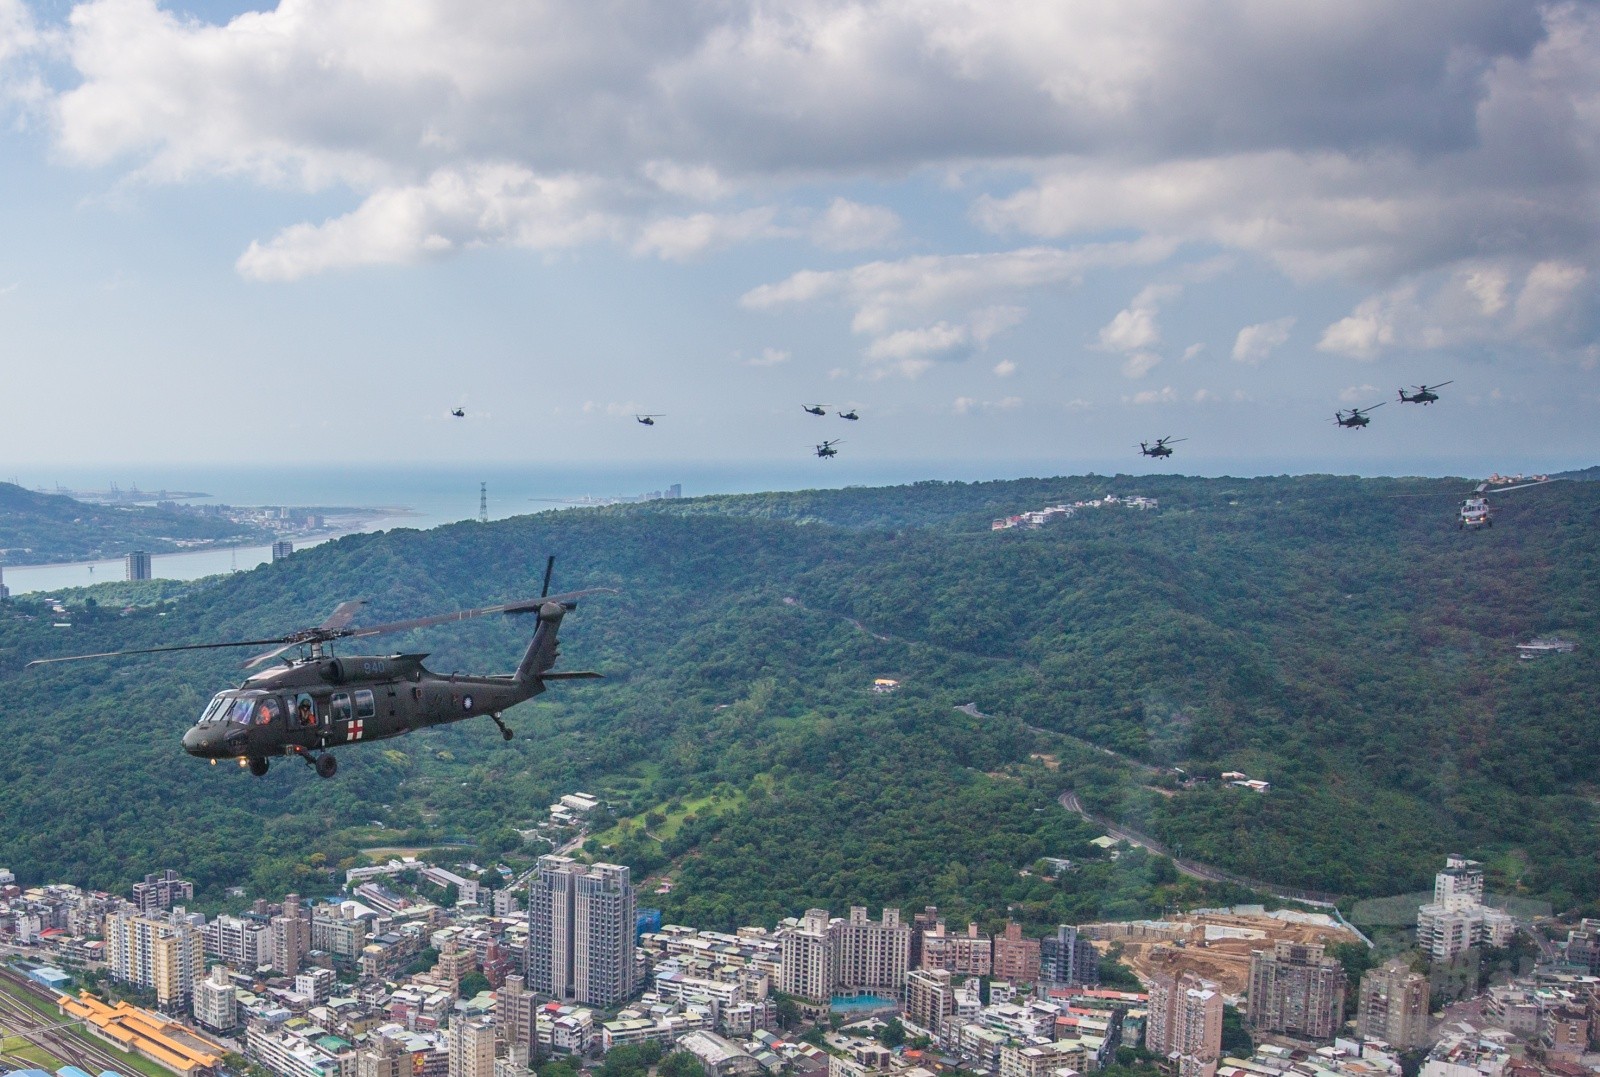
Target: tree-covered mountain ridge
{"type": "Point", "coordinates": [1338, 637]}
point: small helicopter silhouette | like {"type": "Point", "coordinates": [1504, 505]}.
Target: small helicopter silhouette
{"type": "Point", "coordinates": [1163, 447]}
{"type": "Point", "coordinates": [648, 420]}
{"type": "Point", "coordinates": [315, 701]}
{"type": "Point", "coordinates": [851, 415]}
{"type": "Point", "coordinates": [815, 409]}
{"type": "Point", "coordinates": [826, 449]}
{"type": "Point", "coordinates": [1357, 417]}
{"type": "Point", "coordinates": [1424, 393]}
{"type": "Point", "coordinates": [459, 413]}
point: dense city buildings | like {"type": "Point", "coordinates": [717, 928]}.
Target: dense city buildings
{"type": "Point", "coordinates": [1184, 1023]}
{"type": "Point", "coordinates": [550, 914]}
{"type": "Point", "coordinates": [1016, 959]}
{"type": "Point", "coordinates": [1068, 958]}
{"type": "Point", "coordinates": [581, 932]}
{"type": "Point", "coordinates": [930, 998]}
{"type": "Point", "coordinates": [1457, 918]}
{"type": "Point", "coordinates": [1297, 990]}
{"type": "Point", "coordinates": [216, 1001]}
{"type": "Point", "coordinates": [872, 956]}
{"type": "Point", "coordinates": [290, 936]}
{"type": "Point", "coordinates": [1393, 1006]}
{"type": "Point", "coordinates": [809, 957]}
{"type": "Point", "coordinates": [472, 1043]}
{"type": "Point", "coordinates": [165, 955]}
{"type": "Point", "coordinates": [603, 936]}
{"type": "Point", "coordinates": [160, 891]}
{"type": "Point", "coordinates": [1583, 946]}
{"type": "Point", "coordinates": [969, 954]}
{"type": "Point", "coordinates": [239, 942]}
{"type": "Point", "coordinates": [921, 922]}
{"type": "Point", "coordinates": [409, 1005]}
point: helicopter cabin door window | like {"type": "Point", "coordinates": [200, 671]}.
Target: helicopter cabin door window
{"type": "Point", "coordinates": [339, 707]}
{"type": "Point", "coordinates": [365, 707]}
{"type": "Point", "coordinates": [268, 711]}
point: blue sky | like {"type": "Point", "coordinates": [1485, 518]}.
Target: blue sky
{"type": "Point", "coordinates": [1027, 230]}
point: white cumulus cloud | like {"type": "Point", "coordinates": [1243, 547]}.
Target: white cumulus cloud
{"type": "Point", "coordinates": [452, 210]}
{"type": "Point", "coordinates": [850, 226]}
{"type": "Point", "coordinates": [1255, 342]}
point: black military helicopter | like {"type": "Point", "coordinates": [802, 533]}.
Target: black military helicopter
{"type": "Point", "coordinates": [459, 413]}
{"type": "Point", "coordinates": [315, 701]}
{"type": "Point", "coordinates": [1357, 417]}
{"type": "Point", "coordinates": [815, 409]}
{"type": "Point", "coordinates": [1162, 447]}
{"type": "Point", "coordinates": [648, 420]}
{"type": "Point", "coordinates": [826, 449]}
{"type": "Point", "coordinates": [1424, 393]}
{"type": "Point", "coordinates": [851, 415]}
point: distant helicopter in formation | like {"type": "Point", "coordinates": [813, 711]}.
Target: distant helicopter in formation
{"type": "Point", "coordinates": [1475, 511]}
{"type": "Point", "coordinates": [1162, 447]}
{"type": "Point", "coordinates": [815, 409]}
{"type": "Point", "coordinates": [1357, 417]}
{"type": "Point", "coordinates": [315, 702]}
{"type": "Point", "coordinates": [1424, 393]}
{"type": "Point", "coordinates": [459, 413]}
{"type": "Point", "coordinates": [648, 420]}
{"type": "Point", "coordinates": [826, 449]}
{"type": "Point", "coordinates": [851, 415]}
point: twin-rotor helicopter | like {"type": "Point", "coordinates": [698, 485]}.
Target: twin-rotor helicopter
{"type": "Point", "coordinates": [314, 701]}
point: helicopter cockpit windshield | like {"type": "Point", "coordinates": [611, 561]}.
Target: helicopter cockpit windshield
{"type": "Point", "coordinates": [239, 709]}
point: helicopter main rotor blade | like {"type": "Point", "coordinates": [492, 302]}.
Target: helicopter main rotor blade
{"type": "Point", "coordinates": [1520, 486]}
{"type": "Point", "coordinates": [268, 656]}
{"type": "Point", "coordinates": [154, 650]}
{"type": "Point", "coordinates": [343, 614]}
{"type": "Point", "coordinates": [526, 605]}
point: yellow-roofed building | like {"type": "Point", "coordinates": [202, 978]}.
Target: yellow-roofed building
{"type": "Point", "coordinates": [149, 1035]}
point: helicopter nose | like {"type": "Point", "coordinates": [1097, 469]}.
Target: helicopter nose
{"type": "Point", "coordinates": [202, 742]}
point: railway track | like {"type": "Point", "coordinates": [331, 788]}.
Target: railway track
{"type": "Point", "coordinates": [49, 1034]}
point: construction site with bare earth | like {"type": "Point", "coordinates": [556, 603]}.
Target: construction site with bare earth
{"type": "Point", "coordinates": [1213, 943]}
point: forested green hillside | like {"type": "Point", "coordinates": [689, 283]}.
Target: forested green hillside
{"type": "Point", "coordinates": [1337, 637]}
{"type": "Point", "coordinates": [38, 529]}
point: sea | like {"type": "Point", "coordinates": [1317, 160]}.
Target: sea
{"type": "Point", "coordinates": [424, 497]}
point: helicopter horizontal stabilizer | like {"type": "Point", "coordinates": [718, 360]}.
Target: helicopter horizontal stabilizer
{"type": "Point", "coordinates": [575, 675]}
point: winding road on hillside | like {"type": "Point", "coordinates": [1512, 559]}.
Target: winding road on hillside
{"type": "Point", "coordinates": [1192, 868]}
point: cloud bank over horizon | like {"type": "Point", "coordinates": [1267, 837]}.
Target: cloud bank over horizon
{"type": "Point", "coordinates": [936, 178]}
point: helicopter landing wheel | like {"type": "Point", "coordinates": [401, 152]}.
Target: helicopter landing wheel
{"type": "Point", "coordinates": [327, 766]}
{"type": "Point", "coordinates": [258, 766]}
{"type": "Point", "coordinates": [505, 732]}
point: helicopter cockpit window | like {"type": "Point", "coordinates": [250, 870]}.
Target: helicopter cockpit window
{"type": "Point", "coordinates": [339, 707]}
{"type": "Point", "coordinates": [240, 711]}
{"type": "Point", "coordinates": [269, 710]}
{"type": "Point", "coordinates": [364, 704]}
{"type": "Point", "coordinates": [215, 710]}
